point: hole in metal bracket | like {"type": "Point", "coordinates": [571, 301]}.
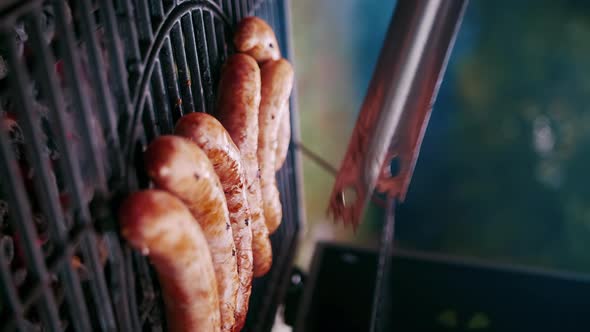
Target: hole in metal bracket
{"type": "Point", "coordinates": [348, 196]}
{"type": "Point", "coordinates": [394, 167]}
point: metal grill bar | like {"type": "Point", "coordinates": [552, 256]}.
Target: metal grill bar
{"type": "Point", "coordinates": [144, 24]}
{"type": "Point", "coordinates": [117, 64]}
{"type": "Point", "coordinates": [73, 180]}
{"type": "Point", "coordinates": [222, 41]}
{"type": "Point", "coordinates": [104, 101]}
{"type": "Point", "coordinates": [72, 73]}
{"type": "Point", "coordinates": [213, 53]}
{"type": "Point", "coordinates": [130, 37]}
{"type": "Point", "coordinates": [237, 9]}
{"type": "Point", "coordinates": [184, 78]}
{"type": "Point", "coordinates": [228, 10]}
{"type": "Point", "coordinates": [146, 283]}
{"type": "Point", "coordinates": [149, 119]}
{"type": "Point", "coordinates": [243, 9]}
{"type": "Point", "coordinates": [163, 118]}
{"type": "Point", "coordinates": [168, 67]}
{"type": "Point", "coordinates": [118, 281]}
{"type": "Point", "coordinates": [204, 64]}
{"type": "Point", "coordinates": [222, 44]}
{"type": "Point", "coordinates": [9, 296]}
{"type": "Point", "coordinates": [48, 190]}
{"type": "Point", "coordinates": [130, 278]}
{"type": "Point", "coordinates": [193, 62]}
{"type": "Point", "coordinates": [171, 79]}
{"type": "Point", "coordinates": [160, 96]}
{"type": "Point", "coordinates": [17, 197]}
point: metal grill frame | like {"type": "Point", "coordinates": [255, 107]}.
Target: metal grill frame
{"type": "Point", "coordinates": [162, 63]}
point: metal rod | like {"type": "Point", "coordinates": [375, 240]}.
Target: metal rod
{"type": "Point", "coordinates": [380, 295]}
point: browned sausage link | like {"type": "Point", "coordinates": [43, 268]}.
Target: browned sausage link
{"type": "Point", "coordinates": [208, 133]}
{"type": "Point", "coordinates": [255, 37]}
{"type": "Point", "coordinates": [277, 81]}
{"type": "Point", "coordinates": [180, 167]}
{"type": "Point", "coordinates": [284, 137]}
{"type": "Point", "coordinates": [159, 225]}
{"type": "Point", "coordinates": [237, 110]}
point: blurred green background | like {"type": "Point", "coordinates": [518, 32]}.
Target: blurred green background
{"type": "Point", "coordinates": [502, 173]}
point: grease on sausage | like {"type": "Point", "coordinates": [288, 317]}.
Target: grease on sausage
{"type": "Point", "coordinates": [284, 137]}
{"type": "Point", "coordinates": [183, 169]}
{"type": "Point", "coordinates": [159, 225]}
{"type": "Point", "coordinates": [208, 133]}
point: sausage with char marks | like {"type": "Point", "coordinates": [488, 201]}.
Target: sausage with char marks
{"type": "Point", "coordinates": [213, 139]}
{"type": "Point", "coordinates": [159, 225]}
{"type": "Point", "coordinates": [180, 167]}
{"type": "Point", "coordinates": [237, 110]}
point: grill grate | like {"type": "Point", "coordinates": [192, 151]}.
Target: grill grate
{"type": "Point", "coordinates": [84, 86]}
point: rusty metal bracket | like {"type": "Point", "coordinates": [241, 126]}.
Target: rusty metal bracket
{"type": "Point", "coordinates": [397, 106]}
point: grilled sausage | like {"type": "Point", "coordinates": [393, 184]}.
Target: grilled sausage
{"type": "Point", "coordinates": [208, 133]}
{"type": "Point", "coordinates": [237, 110]}
{"type": "Point", "coordinates": [255, 37]}
{"type": "Point", "coordinates": [183, 169]}
{"type": "Point", "coordinates": [277, 81]}
{"type": "Point", "coordinates": [284, 137]}
{"type": "Point", "coordinates": [159, 225]}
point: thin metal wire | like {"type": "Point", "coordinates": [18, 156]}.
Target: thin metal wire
{"type": "Point", "coordinates": [383, 269]}
{"type": "Point", "coordinates": [316, 158]}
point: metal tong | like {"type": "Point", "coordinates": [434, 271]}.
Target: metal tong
{"type": "Point", "coordinates": [397, 106]}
